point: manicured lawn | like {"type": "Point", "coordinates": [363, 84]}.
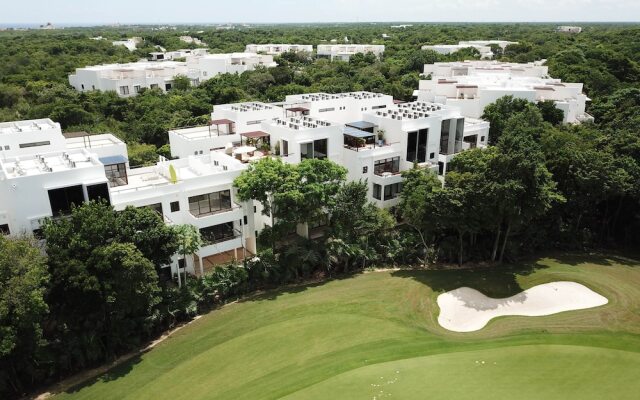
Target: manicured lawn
{"type": "Point", "coordinates": [340, 339]}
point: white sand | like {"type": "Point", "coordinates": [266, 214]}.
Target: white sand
{"type": "Point", "coordinates": [467, 310]}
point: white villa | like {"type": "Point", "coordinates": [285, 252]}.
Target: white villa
{"type": "Point", "coordinates": [343, 52]}
{"type": "Point", "coordinates": [128, 79]}
{"type": "Point", "coordinates": [483, 46]}
{"type": "Point", "coordinates": [472, 85]}
{"type": "Point", "coordinates": [172, 55]}
{"type": "Point", "coordinates": [210, 65]}
{"type": "Point", "coordinates": [131, 44]}
{"type": "Point", "coordinates": [569, 29]}
{"type": "Point", "coordinates": [277, 49]}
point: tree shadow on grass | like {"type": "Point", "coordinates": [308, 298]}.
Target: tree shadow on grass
{"type": "Point", "coordinates": [594, 258]}
{"type": "Point", "coordinates": [496, 282]}
{"type": "Point", "coordinates": [111, 374]}
{"type": "Point", "coordinates": [275, 293]}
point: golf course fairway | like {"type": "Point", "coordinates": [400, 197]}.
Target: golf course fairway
{"type": "Point", "coordinates": [375, 335]}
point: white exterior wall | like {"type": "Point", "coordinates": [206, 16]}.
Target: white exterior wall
{"type": "Point", "coordinates": [143, 74]}
{"type": "Point", "coordinates": [277, 49]}
{"type": "Point", "coordinates": [14, 134]}
{"type": "Point", "coordinates": [295, 138]}
{"type": "Point", "coordinates": [344, 51]}
{"type": "Point", "coordinates": [341, 108]}
{"type": "Point", "coordinates": [24, 200]}
{"type": "Point", "coordinates": [211, 65]}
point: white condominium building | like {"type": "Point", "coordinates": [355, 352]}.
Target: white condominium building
{"type": "Point", "coordinates": [277, 49]}
{"type": "Point", "coordinates": [227, 125]}
{"type": "Point", "coordinates": [44, 178]}
{"type": "Point", "coordinates": [211, 65]}
{"type": "Point", "coordinates": [172, 55]}
{"type": "Point", "coordinates": [483, 46]}
{"type": "Point", "coordinates": [42, 173]}
{"type": "Point", "coordinates": [128, 79]}
{"type": "Point", "coordinates": [343, 52]}
{"type": "Point", "coordinates": [471, 86]}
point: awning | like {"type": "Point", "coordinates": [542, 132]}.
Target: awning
{"type": "Point", "coordinates": [221, 122]}
{"type": "Point", "coordinates": [297, 109]}
{"type": "Point", "coordinates": [361, 125]}
{"type": "Point", "coordinates": [255, 134]}
{"type": "Point", "coordinates": [353, 132]}
{"type": "Point", "coordinates": [112, 160]}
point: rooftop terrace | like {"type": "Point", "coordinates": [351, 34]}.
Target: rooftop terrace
{"type": "Point", "coordinates": [28, 126]}
{"type": "Point", "coordinates": [18, 167]}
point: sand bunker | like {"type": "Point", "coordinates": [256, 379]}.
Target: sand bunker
{"type": "Point", "coordinates": [467, 310]}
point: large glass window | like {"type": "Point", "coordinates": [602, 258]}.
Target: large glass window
{"type": "Point", "coordinates": [98, 192]}
{"type": "Point", "coordinates": [417, 145]}
{"type": "Point", "coordinates": [377, 191]}
{"type": "Point", "coordinates": [459, 135]}
{"type": "Point", "coordinates": [62, 199]}
{"type": "Point", "coordinates": [387, 165]}
{"type": "Point", "coordinates": [320, 149]}
{"type": "Point", "coordinates": [285, 148]}
{"type": "Point", "coordinates": [412, 144]}
{"type": "Point", "coordinates": [34, 144]}
{"type": "Point", "coordinates": [315, 149]}
{"type": "Point", "coordinates": [444, 137]}
{"type": "Point", "coordinates": [218, 233]}
{"type": "Point", "coordinates": [210, 203]}
{"type": "Point", "coordinates": [116, 174]}
{"type": "Point", "coordinates": [392, 191]}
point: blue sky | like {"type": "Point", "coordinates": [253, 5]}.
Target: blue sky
{"type": "Point", "coordinates": [274, 11]}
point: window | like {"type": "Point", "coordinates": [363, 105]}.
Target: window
{"type": "Point", "coordinates": [93, 87]}
{"type": "Point", "coordinates": [254, 122]}
{"type": "Point", "coordinates": [82, 85]}
{"type": "Point", "coordinates": [9, 148]}
{"type": "Point", "coordinates": [157, 207]}
{"type": "Point", "coordinates": [246, 220]}
{"type": "Point", "coordinates": [316, 149]}
{"type": "Point", "coordinates": [218, 233]}
{"type": "Point", "coordinates": [365, 170]}
{"type": "Point", "coordinates": [417, 145]}
{"type": "Point", "coordinates": [62, 199]}
{"type": "Point", "coordinates": [153, 86]}
{"type": "Point", "coordinates": [481, 139]}
{"type": "Point", "coordinates": [210, 203]}
{"type": "Point", "coordinates": [387, 165]}
{"type": "Point", "coordinates": [378, 107]}
{"type": "Point", "coordinates": [98, 192]}
{"type": "Point", "coordinates": [4, 229]}
{"type": "Point", "coordinates": [124, 90]}
{"type": "Point", "coordinates": [136, 89]}
{"type": "Point", "coordinates": [116, 174]}
{"type": "Point", "coordinates": [285, 148]}
{"type": "Point", "coordinates": [432, 156]}
{"type": "Point", "coordinates": [175, 206]}
{"type": "Point", "coordinates": [377, 189]}
{"type": "Point", "coordinates": [34, 144]}
{"type": "Point", "coordinates": [327, 109]}
{"type": "Point", "coordinates": [167, 87]}
{"type": "Point", "coordinates": [392, 191]}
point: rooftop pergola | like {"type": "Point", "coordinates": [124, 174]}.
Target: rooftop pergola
{"type": "Point", "coordinates": [293, 111]}
{"type": "Point", "coordinates": [362, 125]}
{"type": "Point", "coordinates": [356, 138]}
{"type": "Point", "coordinates": [256, 136]}
{"type": "Point", "coordinates": [222, 122]}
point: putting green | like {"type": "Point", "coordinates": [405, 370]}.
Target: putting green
{"type": "Point", "coordinates": [336, 339]}
{"type": "Point", "coordinates": [522, 372]}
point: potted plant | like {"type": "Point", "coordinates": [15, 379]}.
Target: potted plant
{"type": "Point", "coordinates": [381, 138]}
{"type": "Point", "coordinates": [265, 148]}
